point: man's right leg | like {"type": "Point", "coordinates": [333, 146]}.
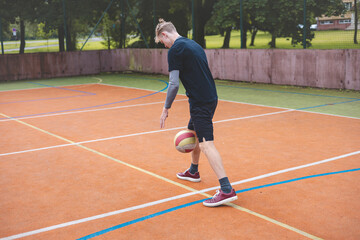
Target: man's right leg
{"type": "Point", "coordinates": [195, 158]}
{"type": "Point", "coordinates": [192, 174]}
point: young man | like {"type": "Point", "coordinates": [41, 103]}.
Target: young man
{"type": "Point", "coordinates": [187, 61]}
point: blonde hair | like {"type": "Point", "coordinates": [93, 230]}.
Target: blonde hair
{"type": "Point", "coordinates": [163, 26]}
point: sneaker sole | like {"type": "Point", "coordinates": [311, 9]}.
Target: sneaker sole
{"type": "Point", "coordinates": [189, 179]}
{"type": "Point", "coordinates": [227, 200]}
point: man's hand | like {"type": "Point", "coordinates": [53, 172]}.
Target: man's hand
{"type": "Point", "coordinates": [163, 117]}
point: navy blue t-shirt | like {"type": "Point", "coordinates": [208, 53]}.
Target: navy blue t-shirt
{"type": "Point", "coordinates": [189, 58]}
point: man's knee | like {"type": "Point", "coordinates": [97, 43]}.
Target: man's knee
{"type": "Point", "coordinates": [205, 146]}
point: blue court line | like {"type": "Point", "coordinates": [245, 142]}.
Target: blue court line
{"type": "Point", "coordinates": [328, 104]}
{"type": "Point", "coordinates": [278, 91]}
{"type": "Point", "coordinates": [46, 99]}
{"type": "Point", "coordinates": [199, 201]}
{"type": "Point", "coordinates": [101, 105]}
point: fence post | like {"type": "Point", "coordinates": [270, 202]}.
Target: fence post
{"type": "Point", "coordinates": [304, 26]}
{"type": "Point", "coordinates": [1, 38]}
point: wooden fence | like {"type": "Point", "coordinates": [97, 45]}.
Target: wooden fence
{"type": "Point", "coordinates": [315, 68]}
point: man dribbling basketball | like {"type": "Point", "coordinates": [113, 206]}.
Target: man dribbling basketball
{"type": "Point", "coordinates": [187, 61]}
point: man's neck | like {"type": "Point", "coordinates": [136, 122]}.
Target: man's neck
{"type": "Point", "coordinates": [174, 37]}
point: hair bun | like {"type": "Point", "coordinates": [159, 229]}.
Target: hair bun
{"type": "Point", "coordinates": [161, 20]}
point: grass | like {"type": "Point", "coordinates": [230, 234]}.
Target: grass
{"type": "Point", "coordinates": [334, 39]}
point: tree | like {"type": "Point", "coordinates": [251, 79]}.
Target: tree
{"type": "Point", "coordinates": [226, 17]}
{"type": "Point", "coordinates": [202, 10]}
{"type": "Point", "coordinates": [22, 10]}
{"type": "Point", "coordinates": [6, 18]}
{"type": "Point", "coordinates": [107, 27]}
{"type": "Point", "coordinates": [282, 17]}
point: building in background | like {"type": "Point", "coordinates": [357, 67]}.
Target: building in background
{"type": "Point", "coordinates": [345, 21]}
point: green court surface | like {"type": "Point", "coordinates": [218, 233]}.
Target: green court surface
{"type": "Point", "coordinates": [328, 101]}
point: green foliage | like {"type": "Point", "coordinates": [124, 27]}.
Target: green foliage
{"type": "Point", "coordinates": [43, 33]}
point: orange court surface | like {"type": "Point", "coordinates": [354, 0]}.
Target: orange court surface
{"type": "Point", "coordinates": [90, 161]}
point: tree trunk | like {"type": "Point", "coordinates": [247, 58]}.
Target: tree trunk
{"type": "Point", "coordinates": [22, 36]}
{"type": "Point", "coordinates": [244, 38]}
{"type": "Point", "coordinates": [61, 36]}
{"type": "Point", "coordinates": [273, 41]}
{"type": "Point", "coordinates": [253, 35]}
{"type": "Point", "coordinates": [226, 43]}
{"type": "Point", "coordinates": [356, 21]}
{"type": "Point", "coordinates": [203, 10]}
{"type": "Point", "coordinates": [70, 40]}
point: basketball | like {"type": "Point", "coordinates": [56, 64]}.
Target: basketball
{"type": "Point", "coordinates": [185, 141]}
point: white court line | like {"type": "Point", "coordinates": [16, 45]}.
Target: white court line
{"type": "Point", "coordinates": [83, 111]}
{"type": "Point", "coordinates": [172, 198]}
{"type": "Point", "coordinates": [37, 88]}
{"type": "Point", "coordinates": [111, 85]}
{"type": "Point", "coordinates": [138, 134]}
{"type": "Point", "coordinates": [251, 104]}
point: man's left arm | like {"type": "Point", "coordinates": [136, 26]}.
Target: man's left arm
{"type": "Point", "coordinates": [170, 95]}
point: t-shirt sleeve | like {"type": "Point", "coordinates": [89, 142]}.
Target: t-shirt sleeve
{"type": "Point", "coordinates": [175, 59]}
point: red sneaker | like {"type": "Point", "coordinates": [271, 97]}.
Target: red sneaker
{"type": "Point", "coordinates": [189, 177]}
{"type": "Point", "coordinates": [220, 198]}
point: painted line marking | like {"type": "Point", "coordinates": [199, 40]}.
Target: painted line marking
{"type": "Point", "coordinates": [134, 134]}
{"type": "Point", "coordinates": [44, 99]}
{"type": "Point", "coordinates": [39, 88]}
{"type": "Point", "coordinates": [90, 110]}
{"type": "Point", "coordinates": [199, 201]}
{"type": "Point", "coordinates": [245, 103]}
{"type": "Point", "coordinates": [53, 98]}
{"type": "Point", "coordinates": [111, 157]}
{"type": "Point", "coordinates": [170, 199]}
{"type": "Point", "coordinates": [88, 107]}
{"type": "Point", "coordinates": [99, 80]}
{"type": "Point", "coordinates": [150, 173]}
{"type": "Point", "coordinates": [284, 92]}
{"type": "Point", "coordinates": [63, 88]}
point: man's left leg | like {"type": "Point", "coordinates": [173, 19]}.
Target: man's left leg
{"type": "Point", "coordinates": [226, 193]}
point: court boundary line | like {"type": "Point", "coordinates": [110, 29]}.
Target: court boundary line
{"type": "Point", "coordinates": [167, 129]}
{"type": "Point", "coordinates": [104, 215]}
{"type": "Point", "coordinates": [252, 104]}
{"type": "Point", "coordinates": [84, 111]}
{"type": "Point", "coordinates": [136, 134]}
{"type": "Point", "coordinates": [24, 89]}
{"type": "Point", "coordinates": [263, 217]}
{"type": "Point", "coordinates": [112, 85]}
{"type": "Point", "coordinates": [116, 227]}
{"type": "Point", "coordinates": [95, 106]}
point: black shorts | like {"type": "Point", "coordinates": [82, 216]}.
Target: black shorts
{"type": "Point", "coordinates": [201, 116]}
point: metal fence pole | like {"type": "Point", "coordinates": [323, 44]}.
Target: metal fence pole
{"type": "Point", "coordinates": [1, 38]}
{"type": "Point", "coordinates": [304, 27]}
{"type": "Point", "coordinates": [137, 24]}
{"type": "Point", "coordinates": [97, 24]}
